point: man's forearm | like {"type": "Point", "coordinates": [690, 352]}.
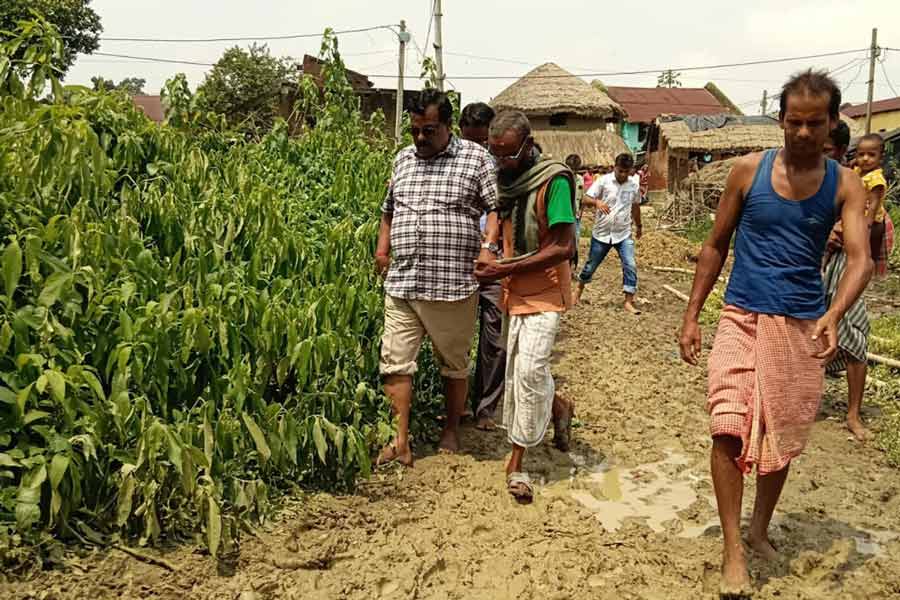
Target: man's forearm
{"type": "Point", "coordinates": [383, 247]}
{"type": "Point", "coordinates": [492, 228]}
{"type": "Point", "coordinates": [636, 215]}
{"type": "Point", "coordinates": [705, 276]}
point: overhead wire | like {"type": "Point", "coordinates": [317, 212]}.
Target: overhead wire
{"type": "Point", "coordinates": [430, 23]}
{"type": "Point", "coordinates": [886, 77]}
{"type": "Point", "coordinates": [658, 70]}
{"type": "Point", "coordinates": [261, 38]}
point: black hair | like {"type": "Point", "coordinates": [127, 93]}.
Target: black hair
{"type": "Point", "coordinates": [573, 161]}
{"type": "Point", "coordinates": [840, 135]}
{"type": "Point", "coordinates": [872, 137]}
{"type": "Point", "coordinates": [432, 97]}
{"type": "Point", "coordinates": [817, 83]}
{"type": "Point", "coordinates": [476, 114]}
{"type": "Point", "coordinates": [625, 160]}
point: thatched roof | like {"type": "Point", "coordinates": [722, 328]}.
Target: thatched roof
{"type": "Point", "coordinates": [731, 138]}
{"type": "Point", "coordinates": [597, 147]}
{"type": "Point", "coordinates": [549, 90]}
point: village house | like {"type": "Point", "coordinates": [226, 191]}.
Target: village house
{"type": "Point", "coordinates": [885, 114]}
{"type": "Point", "coordinates": [644, 105]}
{"type": "Point", "coordinates": [151, 106]}
{"type": "Point", "coordinates": [683, 143]}
{"type": "Point", "coordinates": [568, 115]}
{"type": "Point", "coordinates": [372, 99]}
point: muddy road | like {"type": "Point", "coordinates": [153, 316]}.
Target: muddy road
{"type": "Point", "coordinates": [628, 513]}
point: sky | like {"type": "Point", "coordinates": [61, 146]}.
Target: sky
{"type": "Point", "coordinates": [503, 40]}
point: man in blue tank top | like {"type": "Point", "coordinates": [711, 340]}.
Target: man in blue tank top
{"type": "Point", "coordinates": [766, 368]}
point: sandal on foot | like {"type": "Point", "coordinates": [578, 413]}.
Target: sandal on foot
{"type": "Point", "coordinates": [519, 486]}
{"type": "Point", "coordinates": [390, 455]}
{"type": "Point", "coordinates": [485, 424]}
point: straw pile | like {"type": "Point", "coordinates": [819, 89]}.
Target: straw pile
{"type": "Point", "coordinates": [665, 249]}
{"type": "Point", "coordinates": [731, 138]}
{"type": "Point", "coordinates": [549, 89]}
{"type": "Point", "coordinates": [713, 174]}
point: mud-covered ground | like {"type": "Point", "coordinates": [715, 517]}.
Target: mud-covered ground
{"type": "Point", "coordinates": [628, 513]}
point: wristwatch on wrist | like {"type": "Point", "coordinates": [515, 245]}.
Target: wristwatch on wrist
{"type": "Point", "coordinates": [494, 248]}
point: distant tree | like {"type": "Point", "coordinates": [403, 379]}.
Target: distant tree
{"type": "Point", "coordinates": [133, 86]}
{"type": "Point", "coordinates": [245, 86]}
{"type": "Point", "coordinates": [102, 84]}
{"type": "Point", "coordinates": [77, 23]}
{"type": "Point", "coordinates": [668, 79]}
{"type": "Point", "coordinates": [599, 85]}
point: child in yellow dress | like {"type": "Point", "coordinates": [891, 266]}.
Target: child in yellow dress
{"type": "Point", "coordinates": [869, 156]}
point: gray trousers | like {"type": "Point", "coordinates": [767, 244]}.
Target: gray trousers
{"type": "Point", "coordinates": [490, 368]}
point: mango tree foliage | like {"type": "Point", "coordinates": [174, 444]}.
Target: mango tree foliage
{"type": "Point", "coordinates": [189, 323]}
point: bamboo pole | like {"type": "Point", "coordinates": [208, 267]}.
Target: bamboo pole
{"type": "Point", "coordinates": [891, 362]}
{"type": "Point", "coordinates": [676, 293]}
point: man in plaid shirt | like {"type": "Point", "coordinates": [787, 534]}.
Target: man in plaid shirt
{"type": "Point", "coordinates": [429, 240]}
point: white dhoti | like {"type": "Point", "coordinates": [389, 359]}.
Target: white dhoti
{"type": "Point", "coordinates": [528, 398]}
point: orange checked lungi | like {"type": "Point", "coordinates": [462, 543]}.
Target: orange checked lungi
{"type": "Point", "coordinates": [765, 386]}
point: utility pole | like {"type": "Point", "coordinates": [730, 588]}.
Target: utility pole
{"type": "Point", "coordinates": [404, 37]}
{"type": "Point", "coordinates": [874, 51]}
{"type": "Point", "coordinates": [438, 45]}
{"type": "Point", "coordinates": [764, 105]}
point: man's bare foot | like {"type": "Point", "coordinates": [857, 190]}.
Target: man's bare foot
{"type": "Point", "coordinates": [563, 411]}
{"type": "Point", "coordinates": [485, 423]}
{"type": "Point", "coordinates": [735, 577]}
{"type": "Point", "coordinates": [449, 443]}
{"type": "Point", "coordinates": [762, 546]}
{"type": "Point", "coordinates": [854, 424]}
{"type": "Point", "coordinates": [576, 295]}
{"type": "Point", "coordinates": [393, 453]}
{"type": "Point", "coordinates": [631, 308]}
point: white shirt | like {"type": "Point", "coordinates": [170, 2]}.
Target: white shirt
{"type": "Point", "coordinates": [616, 226]}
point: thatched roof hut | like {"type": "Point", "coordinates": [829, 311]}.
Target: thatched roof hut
{"type": "Point", "coordinates": [549, 90]}
{"type": "Point", "coordinates": [596, 147]}
{"type": "Point", "coordinates": [737, 138]}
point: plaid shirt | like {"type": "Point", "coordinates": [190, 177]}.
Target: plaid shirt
{"type": "Point", "coordinates": [435, 236]}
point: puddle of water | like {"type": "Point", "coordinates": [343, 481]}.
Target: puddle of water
{"type": "Point", "coordinates": [648, 492]}
{"type": "Point", "coordinates": [873, 544]}
{"type": "Point", "coordinates": [655, 493]}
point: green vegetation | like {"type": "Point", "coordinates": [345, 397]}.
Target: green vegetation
{"type": "Point", "coordinates": [189, 322]}
{"type": "Point", "coordinates": [77, 23]}
{"type": "Point", "coordinates": [886, 340]}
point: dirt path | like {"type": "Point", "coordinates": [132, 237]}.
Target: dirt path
{"type": "Point", "coordinates": [628, 513]}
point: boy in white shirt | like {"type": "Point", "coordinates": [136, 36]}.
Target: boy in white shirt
{"type": "Point", "coordinates": [617, 198]}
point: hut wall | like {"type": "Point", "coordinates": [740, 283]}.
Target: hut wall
{"type": "Point", "coordinates": [679, 168]}
{"type": "Point", "coordinates": [573, 123]}
{"type": "Point", "coordinates": [658, 161]}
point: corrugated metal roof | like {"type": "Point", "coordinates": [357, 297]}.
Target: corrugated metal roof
{"type": "Point", "coordinates": [152, 106]}
{"type": "Point", "coordinates": [644, 105]}
{"type": "Point", "coordinates": [859, 110]}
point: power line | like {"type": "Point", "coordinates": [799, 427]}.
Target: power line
{"type": "Point", "coordinates": [151, 59]}
{"type": "Point", "coordinates": [888, 79]}
{"type": "Point", "coordinates": [491, 58]}
{"type": "Point", "coordinates": [862, 63]}
{"type": "Point", "coordinates": [292, 36]}
{"type": "Point", "coordinates": [658, 70]}
{"type": "Point", "coordinates": [430, 23]}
